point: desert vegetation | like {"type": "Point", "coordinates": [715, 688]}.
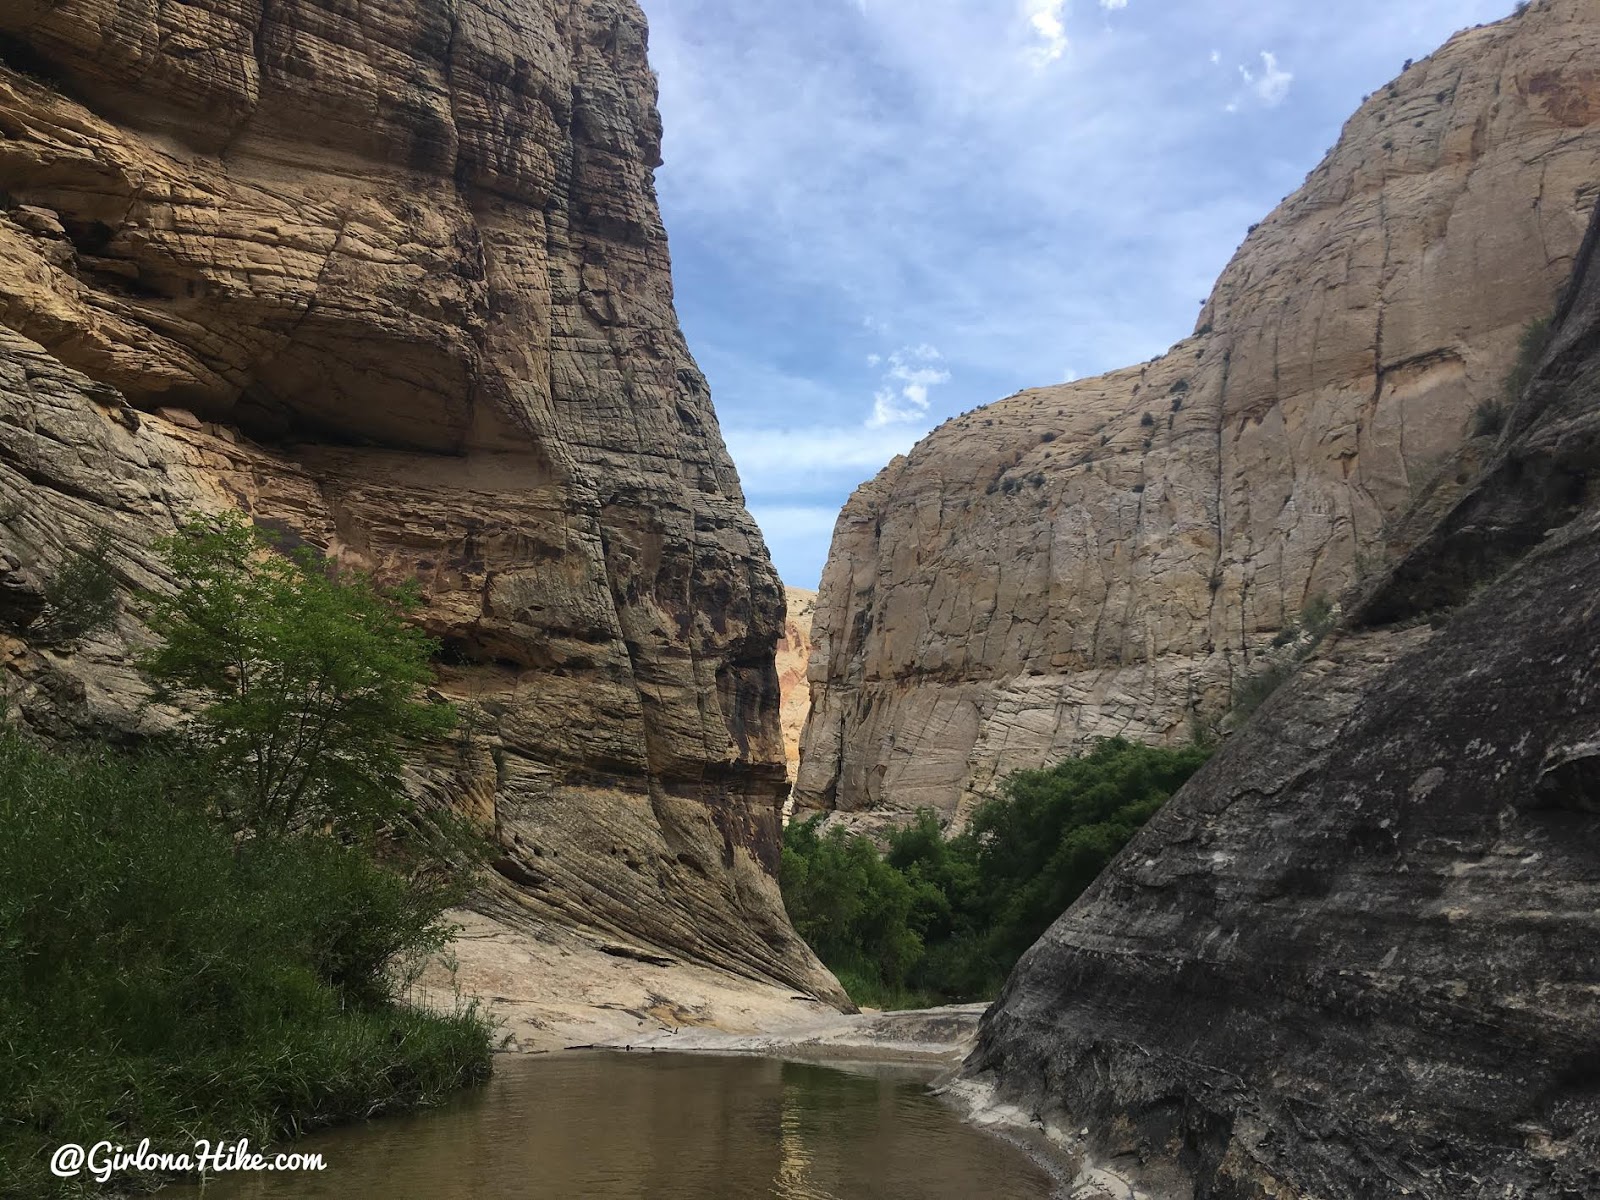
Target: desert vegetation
{"type": "Point", "coordinates": [937, 918]}
{"type": "Point", "coordinates": [214, 934]}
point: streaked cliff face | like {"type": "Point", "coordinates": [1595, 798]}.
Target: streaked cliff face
{"type": "Point", "coordinates": [1107, 557]}
{"type": "Point", "coordinates": [391, 277]}
{"type": "Point", "coordinates": [1356, 955]}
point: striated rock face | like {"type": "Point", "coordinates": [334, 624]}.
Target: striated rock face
{"type": "Point", "coordinates": [391, 278]}
{"type": "Point", "coordinates": [1110, 556]}
{"type": "Point", "coordinates": [794, 657]}
{"type": "Point", "coordinates": [1359, 955]}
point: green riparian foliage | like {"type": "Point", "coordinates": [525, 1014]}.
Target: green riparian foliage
{"type": "Point", "coordinates": [158, 979]}
{"type": "Point", "coordinates": [936, 919]}
{"type": "Point", "coordinates": [304, 680]}
{"type": "Point", "coordinates": [212, 938]}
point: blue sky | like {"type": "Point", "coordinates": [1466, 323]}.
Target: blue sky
{"type": "Point", "coordinates": [886, 212]}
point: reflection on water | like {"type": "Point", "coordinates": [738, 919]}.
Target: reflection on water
{"type": "Point", "coordinates": [664, 1127]}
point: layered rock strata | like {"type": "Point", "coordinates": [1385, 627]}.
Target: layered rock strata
{"type": "Point", "coordinates": [1111, 556]}
{"type": "Point", "coordinates": [1359, 955]}
{"type": "Point", "coordinates": [391, 278]}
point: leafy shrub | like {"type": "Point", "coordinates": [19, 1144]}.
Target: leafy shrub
{"type": "Point", "coordinates": [184, 948]}
{"type": "Point", "coordinates": [82, 596]}
{"type": "Point", "coordinates": [159, 978]}
{"type": "Point", "coordinates": [848, 902]}
{"type": "Point", "coordinates": [305, 679]}
{"type": "Point", "coordinates": [1252, 692]}
{"type": "Point", "coordinates": [946, 918]}
{"type": "Point", "coordinates": [1305, 634]}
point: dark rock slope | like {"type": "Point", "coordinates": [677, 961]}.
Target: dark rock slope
{"type": "Point", "coordinates": [1359, 956]}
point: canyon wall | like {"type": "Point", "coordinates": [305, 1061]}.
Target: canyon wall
{"type": "Point", "coordinates": [1359, 954]}
{"type": "Point", "coordinates": [390, 278]}
{"type": "Point", "coordinates": [793, 660]}
{"type": "Point", "coordinates": [1110, 556]}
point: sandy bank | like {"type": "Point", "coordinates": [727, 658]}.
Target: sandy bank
{"type": "Point", "coordinates": [553, 988]}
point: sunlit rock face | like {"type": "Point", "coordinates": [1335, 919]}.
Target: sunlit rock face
{"type": "Point", "coordinates": [1356, 956]}
{"type": "Point", "coordinates": [794, 658]}
{"type": "Point", "coordinates": [1109, 556]}
{"type": "Point", "coordinates": [391, 278]}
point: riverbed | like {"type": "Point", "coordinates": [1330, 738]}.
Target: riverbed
{"type": "Point", "coordinates": [604, 1125]}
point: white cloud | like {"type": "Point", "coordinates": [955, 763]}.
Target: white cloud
{"type": "Point", "coordinates": [1216, 58]}
{"type": "Point", "coordinates": [1113, 5]}
{"type": "Point", "coordinates": [773, 460]}
{"type": "Point", "coordinates": [862, 173]}
{"type": "Point", "coordinates": [1047, 19]}
{"type": "Point", "coordinates": [904, 393]}
{"type": "Point", "coordinates": [1272, 85]}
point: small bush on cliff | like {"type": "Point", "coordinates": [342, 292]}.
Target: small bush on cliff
{"type": "Point", "coordinates": [1535, 340]}
{"type": "Point", "coordinates": [305, 679]}
{"type": "Point", "coordinates": [82, 596]}
{"type": "Point", "coordinates": [161, 979]}
{"type": "Point", "coordinates": [1251, 692]}
{"type": "Point", "coordinates": [945, 918]}
{"type": "Point", "coordinates": [1295, 643]}
{"type": "Point", "coordinates": [1489, 418]}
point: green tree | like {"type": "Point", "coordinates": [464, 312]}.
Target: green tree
{"type": "Point", "coordinates": [948, 917]}
{"type": "Point", "coordinates": [82, 597]}
{"type": "Point", "coordinates": [1051, 832]}
{"type": "Point", "coordinates": [304, 680]}
{"type": "Point", "coordinates": [852, 907]}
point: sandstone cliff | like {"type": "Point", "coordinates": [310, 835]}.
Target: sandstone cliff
{"type": "Point", "coordinates": [1359, 955]}
{"type": "Point", "coordinates": [390, 277]}
{"type": "Point", "coordinates": [1110, 556]}
{"type": "Point", "coordinates": [794, 657]}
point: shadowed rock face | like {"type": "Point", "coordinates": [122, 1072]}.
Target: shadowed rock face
{"type": "Point", "coordinates": [1359, 955]}
{"type": "Point", "coordinates": [390, 277]}
{"type": "Point", "coordinates": [1107, 557]}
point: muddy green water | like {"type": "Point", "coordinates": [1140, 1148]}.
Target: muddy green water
{"type": "Point", "coordinates": [664, 1127]}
